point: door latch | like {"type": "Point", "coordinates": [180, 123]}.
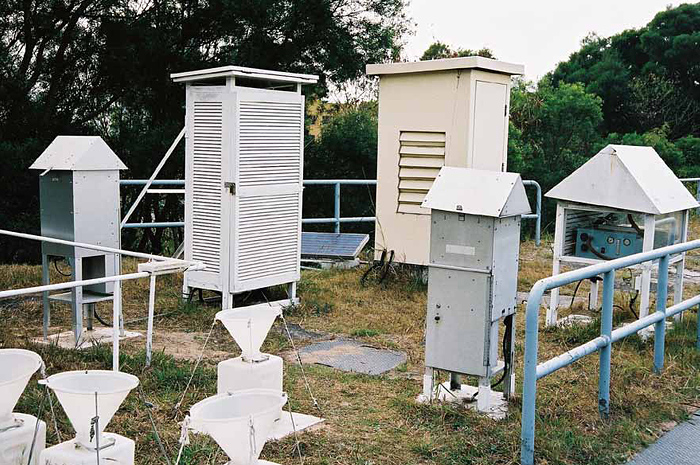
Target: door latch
{"type": "Point", "coordinates": [231, 186]}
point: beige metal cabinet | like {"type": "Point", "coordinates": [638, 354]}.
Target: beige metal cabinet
{"type": "Point", "coordinates": [451, 112]}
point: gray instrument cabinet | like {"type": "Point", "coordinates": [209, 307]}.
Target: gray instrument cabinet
{"type": "Point", "coordinates": [473, 273]}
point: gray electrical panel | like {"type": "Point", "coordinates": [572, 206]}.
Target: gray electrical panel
{"type": "Point", "coordinates": [79, 197]}
{"type": "Point", "coordinates": [473, 269]}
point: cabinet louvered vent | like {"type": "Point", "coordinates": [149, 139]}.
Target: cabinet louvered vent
{"type": "Point", "coordinates": [268, 236]}
{"type": "Point", "coordinates": [421, 155]}
{"type": "Point", "coordinates": [270, 143]}
{"type": "Point", "coordinates": [206, 184]}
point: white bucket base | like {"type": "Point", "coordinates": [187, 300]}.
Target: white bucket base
{"type": "Point", "coordinates": [68, 453]}
{"type": "Point", "coordinates": [235, 374]}
{"type": "Point", "coordinates": [16, 442]}
{"type": "Point", "coordinates": [283, 427]}
{"type": "Point", "coordinates": [66, 339]}
{"type": "Point", "coordinates": [497, 409]}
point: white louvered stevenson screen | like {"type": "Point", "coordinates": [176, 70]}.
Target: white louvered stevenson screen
{"type": "Point", "coordinates": [421, 155]}
{"type": "Point", "coordinates": [206, 183]}
{"type": "Point", "coordinates": [270, 142]}
{"type": "Point", "coordinates": [268, 236]}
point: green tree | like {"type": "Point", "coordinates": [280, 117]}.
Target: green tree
{"type": "Point", "coordinates": [553, 131]}
{"type": "Point", "coordinates": [345, 149]}
{"type": "Point", "coordinates": [102, 67]}
{"type": "Point", "coordinates": [439, 50]}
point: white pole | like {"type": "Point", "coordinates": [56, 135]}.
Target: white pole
{"type": "Point", "coordinates": [72, 284]}
{"type": "Point", "coordinates": [116, 317]}
{"type": "Point", "coordinates": [151, 311]}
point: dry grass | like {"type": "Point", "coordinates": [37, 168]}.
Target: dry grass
{"type": "Point", "coordinates": [373, 419]}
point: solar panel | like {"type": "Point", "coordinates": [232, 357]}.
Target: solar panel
{"type": "Point", "coordinates": [332, 245]}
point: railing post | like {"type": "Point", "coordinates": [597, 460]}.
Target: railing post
{"type": "Point", "coordinates": [697, 193]}
{"type": "Point", "coordinates": [527, 434]}
{"type": "Point", "coordinates": [697, 341]}
{"type": "Point", "coordinates": [538, 221]}
{"type": "Point", "coordinates": [605, 352]}
{"type": "Point", "coordinates": [660, 326]}
{"type": "Point", "coordinates": [337, 208]}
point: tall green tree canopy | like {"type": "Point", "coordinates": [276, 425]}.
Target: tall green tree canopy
{"type": "Point", "coordinates": [647, 77]}
{"type": "Point", "coordinates": [102, 67]}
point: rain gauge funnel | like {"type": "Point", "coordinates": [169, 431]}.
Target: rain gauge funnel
{"type": "Point", "coordinates": [239, 422]}
{"type": "Point", "coordinates": [76, 393]}
{"type": "Point", "coordinates": [249, 327]}
{"type": "Point", "coordinates": [16, 368]}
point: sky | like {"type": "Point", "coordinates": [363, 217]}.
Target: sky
{"type": "Point", "coordinates": [536, 33]}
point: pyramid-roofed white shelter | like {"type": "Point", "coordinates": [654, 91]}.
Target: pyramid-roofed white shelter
{"type": "Point", "coordinates": [478, 192]}
{"type": "Point", "coordinates": [627, 178]}
{"type": "Point", "coordinates": [78, 153]}
{"type": "Point", "coordinates": [624, 196]}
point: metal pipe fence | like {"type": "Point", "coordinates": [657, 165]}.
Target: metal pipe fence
{"type": "Point", "coordinates": [336, 220]}
{"type": "Point", "coordinates": [533, 371]}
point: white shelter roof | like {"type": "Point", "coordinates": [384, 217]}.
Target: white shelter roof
{"type": "Point", "coordinates": [78, 153]}
{"type": "Point", "coordinates": [478, 192]}
{"type": "Point", "coordinates": [626, 177]}
{"type": "Point", "coordinates": [241, 71]}
{"type": "Point", "coordinates": [486, 64]}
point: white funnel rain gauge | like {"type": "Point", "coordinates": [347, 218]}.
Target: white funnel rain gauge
{"type": "Point", "coordinates": [17, 366]}
{"type": "Point", "coordinates": [249, 327]}
{"type": "Point", "coordinates": [239, 422]}
{"type": "Point", "coordinates": [76, 393]}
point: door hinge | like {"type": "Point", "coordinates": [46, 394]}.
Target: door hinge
{"type": "Point", "coordinates": [231, 186]}
{"type": "Point", "coordinates": [505, 110]}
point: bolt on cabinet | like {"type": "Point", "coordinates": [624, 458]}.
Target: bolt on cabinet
{"type": "Point", "coordinates": [243, 178]}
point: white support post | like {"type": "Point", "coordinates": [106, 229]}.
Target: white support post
{"type": "Point", "coordinates": [151, 313]}
{"type": "Point", "coordinates": [77, 301]}
{"type": "Point", "coordinates": [429, 384]}
{"type": "Point", "coordinates": [45, 279]}
{"type": "Point", "coordinates": [509, 386]}
{"type": "Point", "coordinates": [116, 316]}
{"type": "Point", "coordinates": [559, 234]}
{"type": "Point", "coordinates": [593, 299]}
{"type": "Point", "coordinates": [292, 292]}
{"type": "Point", "coordinates": [483, 400]}
{"type": "Point", "coordinates": [680, 267]}
{"type": "Point", "coordinates": [648, 245]}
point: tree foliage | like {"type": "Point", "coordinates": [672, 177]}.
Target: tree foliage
{"type": "Point", "coordinates": [439, 50]}
{"type": "Point", "coordinates": [102, 67]}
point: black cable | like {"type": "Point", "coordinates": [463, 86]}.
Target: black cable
{"type": "Point", "coordinates": [372, 267]}
{"type": "Point", "coordinates": [506, 350]}
{"type": "Point", "coordinates": [595, 252]}
{"type": "Point", "coordinates": [55, 265]}
{"type": "Point", "coordinates": [385, 271]}
{"type": "Point", "coordinates": [634, 224]}
{"type": "Point", "coordinates": [578, 284]}
{"type": "Point", "coordinates": [97, 316]}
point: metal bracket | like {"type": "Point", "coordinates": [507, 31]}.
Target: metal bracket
{"type": "Point", "coordinates": [231, 186]}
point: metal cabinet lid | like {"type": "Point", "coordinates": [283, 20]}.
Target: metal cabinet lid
{"type": "Point", "coordinates": [478, 192]}
{"type": "Point", "coordinates": [78, 153]}
{"type": "Point", "coordinates": [626, 177]}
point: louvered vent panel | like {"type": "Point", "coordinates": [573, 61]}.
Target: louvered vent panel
{"type": "Point", "coordinates": [206, 184]}
{"type": "Point", "coordinates": [268, 236]}
{"type": "Point", "coordinates": [421, 155]}
{"type": "Point", "coordinates": [270, 141]}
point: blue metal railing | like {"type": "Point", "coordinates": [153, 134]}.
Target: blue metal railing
{"type": "Point", "coordinates": [336, 220]}
{"type": "Point", "coordinates": [533, 371]}
{"type": "Point", "coordinates": [537, 216]}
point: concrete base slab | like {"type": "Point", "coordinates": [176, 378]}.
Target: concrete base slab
{"type": "Point", "coordinates": [466, 396]}
{"type": "Point", "coordinates": [648, 332]}
{"type": "Point", "coordinates": [574, 320]}
{"type": "Point", "coordinates": [284, 426]}
{"type": "Point", "coordinates": [66, 340]}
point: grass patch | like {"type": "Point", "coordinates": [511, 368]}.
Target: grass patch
{"type": "Point", "coordinates": [373, 419]}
